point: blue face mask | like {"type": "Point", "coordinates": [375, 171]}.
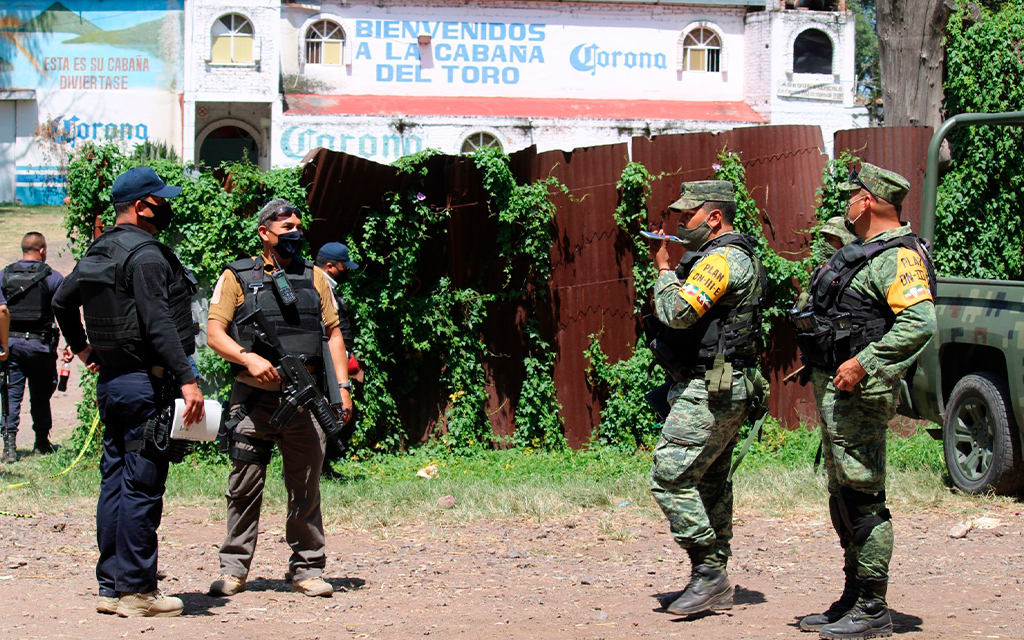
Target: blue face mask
{"type": "Point", "coordinates": [289, 244]}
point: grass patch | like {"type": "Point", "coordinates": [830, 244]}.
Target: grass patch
{"type": "Point", "coordinates": [776, 480]}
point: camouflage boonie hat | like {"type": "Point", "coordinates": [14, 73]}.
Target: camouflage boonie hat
{"type": "Point", "coordinates": [881, 183]}
{"type": "Point", "coordinates": [836, 227]}
{"type": "Point", "coordinates": [694, 194]}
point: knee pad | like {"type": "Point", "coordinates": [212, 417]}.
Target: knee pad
{"type": "Point", "coordinates": [835, 511]}
{"type": "Point", "coordinates": [865, 511]}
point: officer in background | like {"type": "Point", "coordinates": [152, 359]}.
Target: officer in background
{"type": "Point", "coordinates": [333, 260]}
{"type": "Point", "coordinates": [836, 235]}
{"type": "Point", "coordinates": [709, 327]}
{"type": "Point", "coordinates": [135, 296]}
{"type": "Point", "coordinates": [870, 315]}
{"type": "Point", "coordinates": [301, 321]}
{"type": "Point", "coordinates": [29, 285]}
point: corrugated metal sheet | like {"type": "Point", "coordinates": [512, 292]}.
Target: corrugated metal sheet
{"type": "Point", "coordinates": [591, 287]}
{"type": "Point", "coordinates": [591, 282]}
{"type": "Point", "coordinates": [899, 149]}
{"type": "Point", "coordinates": [784, 166]}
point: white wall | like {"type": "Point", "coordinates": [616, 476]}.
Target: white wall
{"type": "Point", "coordinates": [541, 50]}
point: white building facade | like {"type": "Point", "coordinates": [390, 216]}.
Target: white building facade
{"type": "Point", "coordinates": [272, 80]}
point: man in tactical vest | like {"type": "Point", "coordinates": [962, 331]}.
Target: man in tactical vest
{"type": "Point", "coordinates": [869, 317]}
{"type": "Point", "coordinates": [333, 260]}
{"type": "Point", "coordinates": [29, 285]}
{"type": "Point", "coordinates": [708, 330]}
{"type": "Point", "coordinates": [135, 296]}
{"type": "Point", "coordinates": [296, 300]}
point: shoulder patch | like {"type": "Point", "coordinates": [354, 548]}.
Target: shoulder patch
{"type": "Point", "coordinates": [706, 283]}
{"type": "Point", "coordinates": [911, 284]}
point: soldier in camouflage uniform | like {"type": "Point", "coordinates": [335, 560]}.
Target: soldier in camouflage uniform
{"type": "Point", "coordinates": [878, 290]}
{"type": "Point", "coordinates": [709, 313]}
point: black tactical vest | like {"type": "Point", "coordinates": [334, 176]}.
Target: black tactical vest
{"type": "Point", "coordinates": [27, 298]}
{"type": "Point", "coordinates": [299, 326]}
{"type": "Point", "coordinates": [733, 331]}
{"type": "Point", "coordinates": [839, 322]}
{"type": "Point", "coordinates": [108, 303]}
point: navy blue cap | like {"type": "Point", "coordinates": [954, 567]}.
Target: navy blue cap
{"type": "Point", "coordinates": [336, 252]}
{"type": "Point", "coordinates": [135, 184]}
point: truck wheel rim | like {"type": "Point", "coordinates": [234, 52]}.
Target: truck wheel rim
{"type": "Point", "coordinates": [973, 436]}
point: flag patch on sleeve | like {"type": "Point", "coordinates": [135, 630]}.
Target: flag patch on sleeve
{"type": "Point", "coordinates": [706, 283]}
{"type": "Point", "coordinates": [911, 285]}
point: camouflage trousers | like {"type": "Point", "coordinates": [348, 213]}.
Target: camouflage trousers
{"type": "Point", "coordinates": [853, 435]}
{"type": "Point", "coordinates": [689, 479]}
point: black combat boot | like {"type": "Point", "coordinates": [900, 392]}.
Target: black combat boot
{"type": "Point", "coordinates": [837, 609]}
{"type": "Point", "coordinates": [10, 451]}
{"type": "Point", "coordinates": [709, 588]}
{"type": "Point", "coordinates": [869, 617]}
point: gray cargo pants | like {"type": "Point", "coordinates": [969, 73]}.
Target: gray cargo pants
{"type": "Point", "coordinates": [302, 451]}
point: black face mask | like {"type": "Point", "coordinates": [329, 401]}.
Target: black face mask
{"type": "Point", "coordinates": [289, 244]}
{"type": "Point", "coordinates": [162, 214]}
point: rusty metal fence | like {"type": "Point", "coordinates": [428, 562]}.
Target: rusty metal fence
{"type": "Point", "coordinates": [591, 286]}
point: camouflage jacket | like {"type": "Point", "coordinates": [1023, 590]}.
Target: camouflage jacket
{"type": "Point", "coordinates": [726, 275]}
{"type": "Point", "coordinates": [891, 277]}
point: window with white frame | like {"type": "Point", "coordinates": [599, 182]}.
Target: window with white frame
{"type": "Point", "coordinates": [325, 43]}
{"type": "Point", "coordinates": [479, 140]}
{"type": "Point", "coordinates": [702, 51]}
{"type": "Point", "coordinates": [232, 40]}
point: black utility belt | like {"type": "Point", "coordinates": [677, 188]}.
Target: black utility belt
{"type": "Point", "coordinates": [43, 336]}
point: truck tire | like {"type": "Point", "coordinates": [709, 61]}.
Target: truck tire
{"type": "Point", "coordinates": [980, 438]}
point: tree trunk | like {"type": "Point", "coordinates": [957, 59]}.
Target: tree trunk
{"type": "Point", "coordinates": [912, 57]}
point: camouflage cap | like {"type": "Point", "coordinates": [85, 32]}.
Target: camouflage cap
{"type": "Point", "coordinates": [836, 227]}
{"type": "Point", "coordinates": [694, 194]}
{"type": "Point", "coordinates": [881, 183]}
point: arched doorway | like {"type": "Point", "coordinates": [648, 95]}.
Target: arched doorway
{"type": "Point", "coordinates": [228, 143]}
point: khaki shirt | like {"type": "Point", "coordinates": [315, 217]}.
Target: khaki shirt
{"type": "Point", "coordinates": [228, 295]}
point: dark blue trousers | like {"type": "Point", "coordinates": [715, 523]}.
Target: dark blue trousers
{"type": "Point", "coordinates": [131, 487]}
{"type": "Point", "coordinates": [34, 364]}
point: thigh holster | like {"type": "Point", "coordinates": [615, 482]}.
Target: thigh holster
{"type": "Point", "coordinates": [252, 451]}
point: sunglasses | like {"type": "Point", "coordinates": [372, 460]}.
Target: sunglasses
{"type": "Point", "coordinates": [855, 179]}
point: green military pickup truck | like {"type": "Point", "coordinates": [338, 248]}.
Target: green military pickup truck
{"type": "Point", "coordinates": [970, 378]}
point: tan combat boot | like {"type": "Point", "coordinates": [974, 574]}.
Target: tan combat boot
{"type": "Point", "coordinates": [313, 587]}
{"type": "Point", "coordinates": [106, 605]}
{"type": "Point", "coordinates": [149, 605]}
{"type": "Point", "coordinates": [226, 585]}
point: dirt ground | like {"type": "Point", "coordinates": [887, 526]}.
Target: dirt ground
{"type": "Point", "coordinates": [514, 579]}
{"type": "Point", "coordinates": [568, 578]}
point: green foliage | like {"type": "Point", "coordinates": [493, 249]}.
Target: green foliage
{"type": "Point", "coordinates": [627, 421]}
{"type": "Point", "coordinates": [783, 275]}
{"type": "Point", "coordinates": [410, 329]}
{"type": "Point", "coordinates": [631, 215]}
{"type": "Point", "coordinates": [980, 201]}
{"type": "Point", "coordinates": [866, 62]}
{"type": "Point", "coordinates": [831, 203]}
{"type": "Point", "coordinates": [213, 224]}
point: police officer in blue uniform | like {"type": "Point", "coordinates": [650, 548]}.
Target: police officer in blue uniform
{"type": "Point", "coordinates": [135, 296]}
{"type": "Point", "coordinates": [29, 285]}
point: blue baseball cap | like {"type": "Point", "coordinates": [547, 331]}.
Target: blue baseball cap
{"type": "Point", "coordinates": [336, 252]}
{"type": "Point", "coordinates": [135, 184]}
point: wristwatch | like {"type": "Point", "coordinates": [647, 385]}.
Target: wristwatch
{"type": "Point", "coordinates": [345, 385]}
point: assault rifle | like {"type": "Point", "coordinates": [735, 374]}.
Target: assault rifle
{"type": "Point", "coordinates": [298, 385]}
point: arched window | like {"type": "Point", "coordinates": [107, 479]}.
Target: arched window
{"type": "Point", "coordinates": [702, 51]}
{"type": "Point", "coordinates": [325, 43]}
{"type": "Point", "coordinates": [479, 140]}
{"type": "Point", "coordinates": [812, 52]}
{"type": "Point", "coordinates": [232, 40]}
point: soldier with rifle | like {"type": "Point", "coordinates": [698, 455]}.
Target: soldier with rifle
{"type": "Point", "coordinates": [273, 317]}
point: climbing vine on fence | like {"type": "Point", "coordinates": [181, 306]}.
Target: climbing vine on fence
{"type": "Point", "coordinates": [213, 224]}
